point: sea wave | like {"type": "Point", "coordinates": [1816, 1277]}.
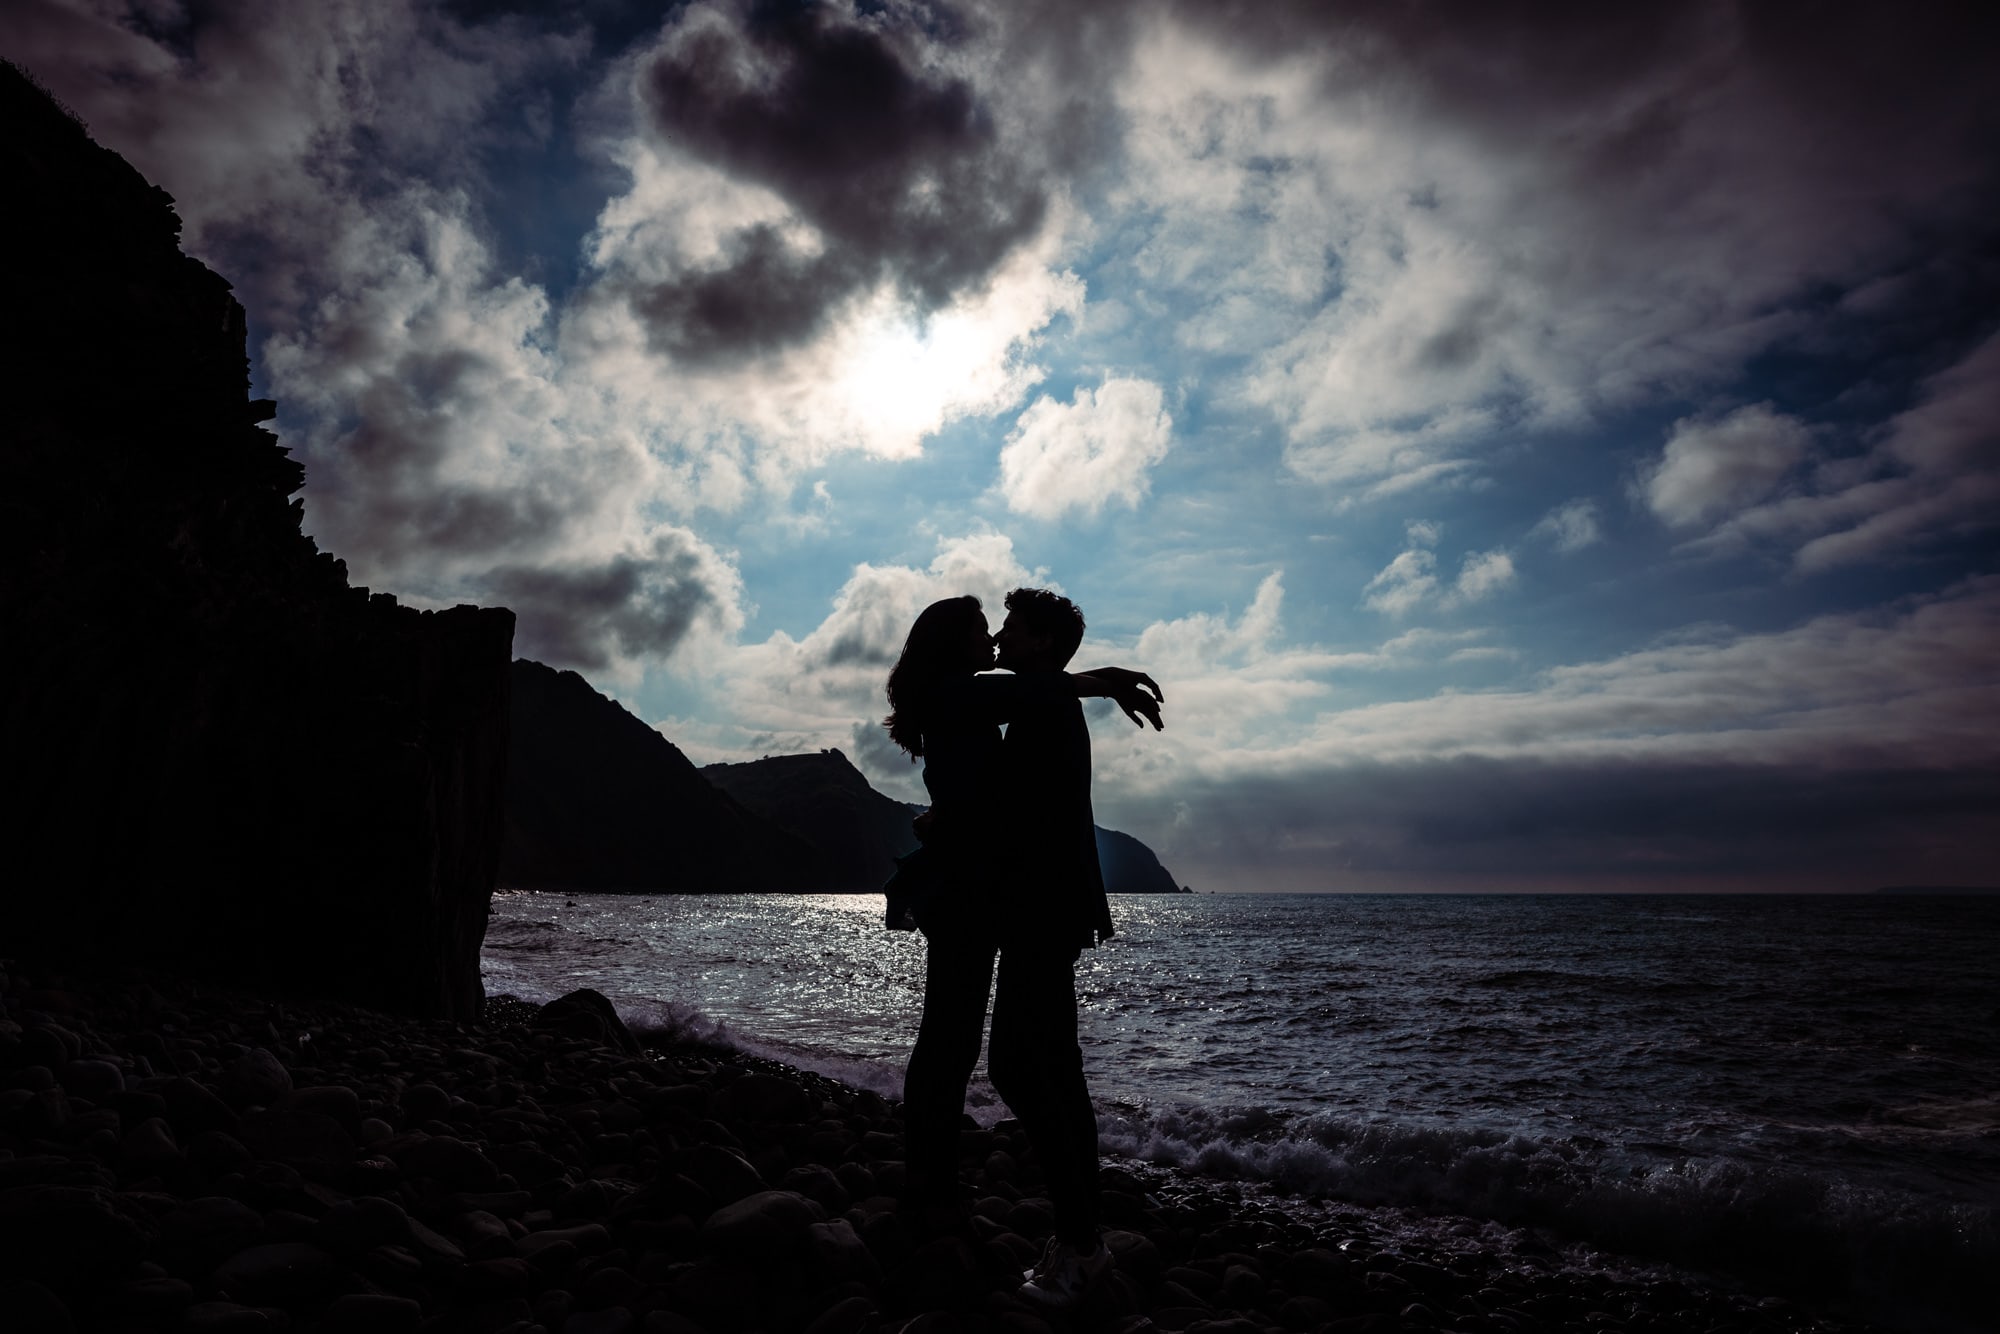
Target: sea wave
{"type": "Point", "coordinates": [1788, 1228]}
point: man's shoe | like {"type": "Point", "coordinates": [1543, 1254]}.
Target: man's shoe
{"type": "Point", "coordinates": [1063, 1275]}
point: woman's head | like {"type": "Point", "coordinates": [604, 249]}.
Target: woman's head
{"type": "Point", "coordinates": [949, 639]}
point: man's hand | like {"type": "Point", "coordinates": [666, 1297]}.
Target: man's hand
{"type": "Point", "coordinates": [1139, 706]}
{"type": "Point", "coordinates": [1125, 676]}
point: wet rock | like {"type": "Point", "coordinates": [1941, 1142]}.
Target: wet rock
{"type": "Point", "coordinates": [835, 1254]}
{"type": "Point", "coordinates": [224, 1318]}
{"type": "Point", "coordinates": [257, 1078]}
{"type": "Point", "coordinates": [768, 1225]}
{"type": "Point", "coordinates": [587, 1014]}
{"type": "Point", "coordinates": [425, 1102]}
{"type": "Point", "coordinates": [818, 1184]}
{"type": "Point", "coordinates": [95, 1079]}
{"type": "Point", "coordinates": [360, 1224]}
{"type": "Point", "coordinates": [614, 1320]}
{"type": "Point", "coordinates": [338, 1101]}
{"type": "Point", "coordinates": [33, 1309]}
{"type": "Point", "coordinates": [448, 1159]}
{"type": "Point", "coordinates": [278, 1273]}
{"type": "Point", "coordinates": [308, 1141]}
{"type": "Point", "coordinates": [148, 1147]}
{"type": "Point", "coordinates": [762, 1097]}
{"type": "Point", "coordinates": [723, 1173]}
{"type": "Point", "coordinates": [371, 1313]}
{"type": "Point", "coordinates": [850, 1315]}
{"type": "Point", "coordinates": [67, 1235]}
{"type": "Point", "coordinates": [193, 1108]}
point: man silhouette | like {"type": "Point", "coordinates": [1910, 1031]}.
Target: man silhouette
{"type": "Point", "coordinates": [1052, 906]}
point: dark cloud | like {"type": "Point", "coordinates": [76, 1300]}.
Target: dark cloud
{"type": "Point", "coordinates": [901, 170]}
{"type": "Point", "coordinates": [1572, 825]}
{"type": "Point", "coordinates": [636, 606]}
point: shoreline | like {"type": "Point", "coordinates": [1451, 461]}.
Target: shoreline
{"type": "Point", "coordinates": [175, 1155]}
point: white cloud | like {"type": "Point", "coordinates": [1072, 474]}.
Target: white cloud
{"type": "Point", "coordinates": [1714, 466]}
{"type": "Point", "coordinates": [1421, 265]}
{"type": "Point", "coordinates": [1483, 574]}
{"type": "Point", "coordinates": [1096, 449]}
{"type": "Point", "coordinates": [1569, 527]}
{"type": "Point", "coordinates": [1403, 583]}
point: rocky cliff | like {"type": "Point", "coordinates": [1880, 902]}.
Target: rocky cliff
{"type": "Point", "coordinates": [598, 800]}
{"type": "Point", "coordinates": [857, 832]}
{"type": "Point", "coordinates": [224, 758]}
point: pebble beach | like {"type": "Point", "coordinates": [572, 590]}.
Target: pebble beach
{"type": "Point", "coordinates": [180, 1157]}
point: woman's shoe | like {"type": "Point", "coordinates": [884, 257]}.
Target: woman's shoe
{"type": "Point", "coordinates": [1063, 1275]}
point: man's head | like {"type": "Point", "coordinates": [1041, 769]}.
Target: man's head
{"type": "Point", "coordinates": [1041, 632]}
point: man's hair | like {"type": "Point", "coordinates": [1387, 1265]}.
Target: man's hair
{"type": "Point", "coordinates": [1050, 615]}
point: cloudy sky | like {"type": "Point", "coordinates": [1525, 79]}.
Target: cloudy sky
{"type": "Point", "coordinates": [1535, 445]}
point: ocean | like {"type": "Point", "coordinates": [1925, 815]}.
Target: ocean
{"type": "Point", "coordinates": [1802, 1092]}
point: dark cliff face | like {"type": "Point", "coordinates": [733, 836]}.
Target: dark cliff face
{"type": "Point", "coordinates": [597, 800]}
{"type": "Point", "coordinates": [857, 832]}
{"type": "Point", "coordinates": [224, 759]}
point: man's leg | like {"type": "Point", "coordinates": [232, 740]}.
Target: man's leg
{"type": "Point", "coordinates": [958, 972]}
{"type": "Point", "coordinates": [1037, 1067]}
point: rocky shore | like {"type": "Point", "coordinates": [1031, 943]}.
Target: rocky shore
{"type": "Point", "coordinates": [175, 1157]}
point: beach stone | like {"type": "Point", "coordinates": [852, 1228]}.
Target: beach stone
{"type": "Point", "coordinates": [835, 1253]}
{"type": "Point", "coordinates": [1135, 1254]}
{"type": "Point", "coordinates": [33, 1309]}
{"type": "Point", "coordinates": [155, 1295]}
{"type": "Point", "coordinates": [338, 1101]}
{"type": "Point", "coordinates": [608, 1286]}
{"type": "Point", "coordinates": [671, 1322]}
{"type": "Point", "coordinates": [612, 1320]}
{"type": "Point", "coordinates": [448, 1159]}
{"type": "Point", "coordinates": [200, 1233]}
{"type": "Point", "coordinates": [588, 1014]}
{"type": "Point", "coordinates": [148, 1146]}
{"type": "Point", "coordinates": [425, 1102]}
{"type": "Point", "coordinates": [850, 1315]}
{"type": "Point", "coordinates": [279, 1273]}
{"type": "Point", "coordinates": [762, 1097]}
{"type": "Point", "coordinates": [224, 1318]}
{"type": "Point", "coordinates": [818, 1184]}
{"type": "Point", "coordinates": [364, 1222]}
{"type": "Point", "coordinates": [723, 1173]}
{"type": "Point", "coordinates": [305, 1140]}
{"type": "Point", "coordinates": [93, 1078]}
{"type": "Point", "coordinates": [193, 1108]}
{"type": "Point", "coordinates": [587, 1237]}
{"type": "Point", "coordinates": [370, 1313]}
{"type": "Point", "coordinates": [770, 1224]}
{"type": "Point", "coordinates": [1304, 1313]}
{"type": "Point", "coordinates": [502, 1276]}
{"type": "Point", "coordinates": [1241, 1285]}
{"type": "Point", "coordinates": [484, 1235]}
{"type": "Point", "coordinates": [66, 1235]}
{"type": "Point", "coordinates": [257, 1077]}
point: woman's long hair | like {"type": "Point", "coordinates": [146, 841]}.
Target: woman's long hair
{"type": "Point", "coordinates": [934, 651]}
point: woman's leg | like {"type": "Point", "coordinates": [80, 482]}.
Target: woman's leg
{"type": "Point", "coordinates": [1037, 1067]}
{"type": "Point", "coordinates": [958, 974]}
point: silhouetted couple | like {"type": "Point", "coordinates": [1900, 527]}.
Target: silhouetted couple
{"type": "Point", "coordinates": [1009, 882]}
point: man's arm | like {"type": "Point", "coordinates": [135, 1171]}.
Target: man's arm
{"type": "Point", "coordinates": [1134, 692]}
